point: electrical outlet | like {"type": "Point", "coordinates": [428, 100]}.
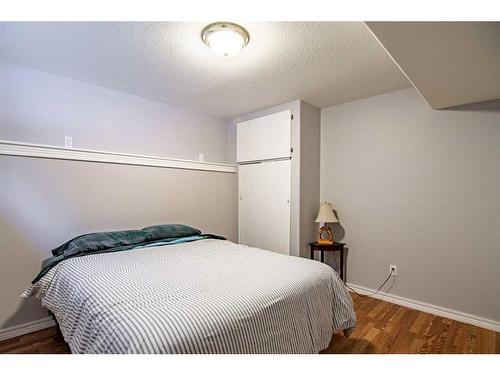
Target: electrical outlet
{"type": "Point", "coordinates": [68, 142]}
{"type": "Point", "coordinates": [393, 269]}
{"type": "Point", "coordinates": [201, 157]}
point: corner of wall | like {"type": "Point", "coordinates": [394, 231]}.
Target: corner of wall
{"type": "Point", "coordinates": [231, 141]}
{"type": "Point", "coordinates": [310, 128]}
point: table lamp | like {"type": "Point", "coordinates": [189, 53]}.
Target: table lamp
{"type": "Point", "coordinates": [326, 215]}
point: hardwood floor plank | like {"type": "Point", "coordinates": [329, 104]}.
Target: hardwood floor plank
{"type": "Point", "coordinates": [414, 346]}
{"type": "Point", "coordinates": [432, 336]}
{"type": "Point", "coordinates": [402, 337]}
{"type": "Point", "coordinates": [459, 340]}
{"type": "Point", "coordinates": [27, 339]}
{"type": "Point", "coordinates": [369, 338]}
{"type": "Point", "coordinates": [471, 339]}
{"type": "Point", "coordinates": [389, 328]}
{"type": "Point", "coordinates": [450, 338]}
{"type": "Point", "coordinates": [486, 341]}
{"type": "Point", "coordinates": [420, 324]}
{"type": "Point", "coordinates": [382, 327]}
{"type": "Point", "coordinates": [379, 310]}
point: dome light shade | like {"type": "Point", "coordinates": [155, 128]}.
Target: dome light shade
{"type": "Point", "coordinates": [225, 38]}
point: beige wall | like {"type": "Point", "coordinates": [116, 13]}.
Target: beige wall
{"type": "Point", "coordinates": [40, 107]}
{"type": "Point", "coordinates": [418, 188]}
{"type": "Point", "coordinates": [310, 123]}
{"type": "Point", "coordinates": [43, 203]}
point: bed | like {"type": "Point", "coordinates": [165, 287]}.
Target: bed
{"type": "Point", "coordinates": [205, 295]}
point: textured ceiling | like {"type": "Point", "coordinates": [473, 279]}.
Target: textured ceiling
{"type": "Point", "coordinates": [324, 63]}
{"type": "Point", "coordinates": [450, 63]}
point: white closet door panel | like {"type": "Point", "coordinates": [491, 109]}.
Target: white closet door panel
{"type": "Point", "coordinates": [264, 205]}
{"type": "Point", "coordinates": [267, 137]}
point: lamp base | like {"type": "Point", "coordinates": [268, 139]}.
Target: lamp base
{"type": "Point", "coordinates": [325, 242]}
{"type": "Point", "coordinates": [325, 236]}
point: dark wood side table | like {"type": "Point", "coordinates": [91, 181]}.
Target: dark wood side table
{"type": "Point", "coordinates": [336, 246]}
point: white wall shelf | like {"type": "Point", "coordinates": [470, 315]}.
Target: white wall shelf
{"type": "Point", "coordinates": [54, 152]}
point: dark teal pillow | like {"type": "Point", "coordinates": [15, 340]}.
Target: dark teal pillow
{"type": "Point", "coordinates": [93, 242]}
{"type": "Point", "coordinates": [163, 231]}
{"type": "Point", "coordinates": [102, 240]}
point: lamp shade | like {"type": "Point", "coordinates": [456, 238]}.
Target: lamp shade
{"type": "Point", "coordinates": [326, 214]}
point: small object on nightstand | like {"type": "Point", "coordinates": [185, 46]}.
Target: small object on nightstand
{"type": "Point", "coordinates": [326, 215]}
{"type": "Point", "coordinates": [335, 246]}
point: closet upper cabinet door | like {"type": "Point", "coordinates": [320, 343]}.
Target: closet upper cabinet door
{"type": "Point", "coordinates": [267, 137]}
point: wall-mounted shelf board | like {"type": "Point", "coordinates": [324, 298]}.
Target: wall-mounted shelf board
{"type": "Point", "coordinates": [54, 152]}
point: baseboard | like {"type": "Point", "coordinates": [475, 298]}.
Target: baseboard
{"type": "Point", "coordinates": [431, 309]}
{"type": "Point", "coordinates": [22, 329]}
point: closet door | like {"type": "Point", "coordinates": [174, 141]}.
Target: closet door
{"type": "Point", "coordinates": [264, 205]}
{"type": "Point", "coordinates": [263, 138]}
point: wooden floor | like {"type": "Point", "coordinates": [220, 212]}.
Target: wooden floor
{"type": "Point", "coordinates": [382, 328]}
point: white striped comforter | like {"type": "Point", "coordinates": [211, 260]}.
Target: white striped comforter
{"type": "Point", "coordinates": [207, 296]}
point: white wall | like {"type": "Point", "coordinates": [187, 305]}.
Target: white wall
{"type": "Point", "coordinates": [43, 202]}
{"type": "Point", "coordinates": [418, 188]}
{"type": "Point", "coordinates": [40, 107]}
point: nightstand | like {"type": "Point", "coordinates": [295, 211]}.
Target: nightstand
{"type": "Point", "coordinates": [336, 246]}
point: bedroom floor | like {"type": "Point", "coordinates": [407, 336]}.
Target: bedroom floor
{"type": "Point", "coordinates": [382, 328]}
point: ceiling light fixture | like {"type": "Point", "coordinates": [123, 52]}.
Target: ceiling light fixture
{"type": "Point", "coordinates": [225, 38]}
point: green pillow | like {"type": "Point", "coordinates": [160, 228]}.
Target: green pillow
{"type": "Point", "coordinates": [163, 231]}
{"type": "Point", "coordinates": [93, 242]}
{"type": "Point", "coordinates": [102, 240]}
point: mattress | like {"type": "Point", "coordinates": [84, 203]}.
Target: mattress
{"type": "Point", "coordinates": [207, 296]}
